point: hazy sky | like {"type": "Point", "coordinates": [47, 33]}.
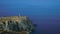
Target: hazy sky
{"type": "Point", "coordinates": [39, 9]}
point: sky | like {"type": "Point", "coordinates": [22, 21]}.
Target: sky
{"type": "Point", "coordinates": [44, 13]}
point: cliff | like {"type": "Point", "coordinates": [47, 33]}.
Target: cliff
{"type": "Point", "coordinates": [16, 24]}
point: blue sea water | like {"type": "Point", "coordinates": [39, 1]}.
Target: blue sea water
{"type": "Point", "coordinates": [53, 29]}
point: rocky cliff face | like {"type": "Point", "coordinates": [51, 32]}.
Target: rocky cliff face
{"type": "Point", "coordinates": [16, 23]}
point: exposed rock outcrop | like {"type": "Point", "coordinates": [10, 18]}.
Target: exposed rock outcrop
{"type": "Point", "coordinates": [16, 24]}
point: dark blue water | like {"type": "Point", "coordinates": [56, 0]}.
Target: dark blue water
{"type": "Point", "coordinates": [47, 29]}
